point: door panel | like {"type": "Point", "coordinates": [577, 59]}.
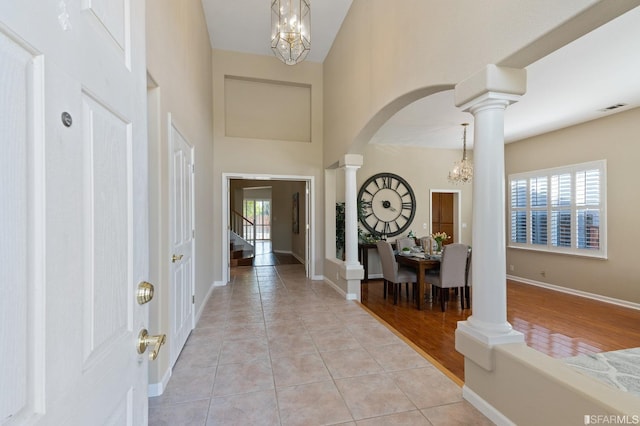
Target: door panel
{"type": "Point", "coordinates": [17, 197]}
{"type": "Point", "coordinates": [79, 163]}
{"type": "Point", "coordinates": [107, 142]}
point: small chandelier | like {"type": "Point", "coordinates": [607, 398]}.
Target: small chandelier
{"type": "Point", "coordinates": [291, 30]}
{"type": "Point", "coordinates": [462, 170]}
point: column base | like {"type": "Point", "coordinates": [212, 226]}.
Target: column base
{"type": "Point", "coordinates": [477, 345]}
{"type": "Point", "coordinates": [490, 334]}
{"type": "Point", "coordinates": [352, 273]}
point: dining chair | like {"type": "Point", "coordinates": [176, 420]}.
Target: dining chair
{"type": "Point", "coordinates": [467, 286]}
{"type": "Point", "coordinates": [394, 274]}
{"type": "Point", "coordinates": [427, 244]}
{"type": "Point", "coordinates": [453, 271]}
{"type": "Point", "coordinates": [404, 243]}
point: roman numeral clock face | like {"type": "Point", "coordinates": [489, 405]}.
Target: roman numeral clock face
{"type": "Point", "coordinates": [387, 204]}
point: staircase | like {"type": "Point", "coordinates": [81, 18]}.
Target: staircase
{"type": "Point", "coordinates": [242, 240]}
{"type": "Point", "coordinates": [240, 251]}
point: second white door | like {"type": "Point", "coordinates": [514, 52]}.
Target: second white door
{"type": "Point", "coordinates": [182, 240]}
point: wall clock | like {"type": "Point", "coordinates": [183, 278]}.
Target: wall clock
{"type": "Point", "coordinates": [387, 204]}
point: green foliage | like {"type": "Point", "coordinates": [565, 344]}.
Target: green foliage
{"type": "Point", "coordinates": [340, 229]}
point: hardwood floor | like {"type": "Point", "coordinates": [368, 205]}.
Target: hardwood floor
{"type": "Point", "coordinates": [557, 324]}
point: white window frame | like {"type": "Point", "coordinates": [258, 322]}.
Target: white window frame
{"type": "Point", "coordinates": [601, 251]}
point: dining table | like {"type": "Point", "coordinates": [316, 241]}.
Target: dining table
{"type": "Point", "coordinates": [422, 263]}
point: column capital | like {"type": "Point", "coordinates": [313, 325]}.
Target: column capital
{"type": "Point", "coordinates": [351, 160]}
{"type": "Point", "coordinates": [491, 83]}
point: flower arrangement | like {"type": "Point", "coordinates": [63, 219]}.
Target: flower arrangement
{"type": "Point", "coordinates": [439, 237]}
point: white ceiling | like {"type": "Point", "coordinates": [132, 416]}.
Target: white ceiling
{"type": "Point", "coordinates": [570, 86]}
{"type": "Point", "coordinates": [245, 25]}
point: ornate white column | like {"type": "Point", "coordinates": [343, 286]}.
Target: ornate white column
{"type": "Point", "coordinates": [352, 271]}
{"type": "Point", "coordinates": [486, 95]}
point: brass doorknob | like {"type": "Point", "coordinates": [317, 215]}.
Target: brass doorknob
{"type": "Point", "coordinates": [145, 340]}
{"type": "Point", "coordinates": [176, 257]}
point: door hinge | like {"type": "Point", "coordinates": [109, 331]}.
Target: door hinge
{"type": "Point", "coordinates": [193, 168]}
{"type": "Point", "coordinates": [193, 233]}
{"type": "Point", "coordinates": [193, 299]}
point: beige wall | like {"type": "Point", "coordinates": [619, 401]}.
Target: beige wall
{"type": "Point", "coordinates": [179, 61]}
{"type": "Point", "coordinates": [387, 56]}
{"type": "Point", "coordinates": [530, 388]}
{"type": "Point", "coordinates": [610, 138]}
{"type": "Point", "coordinates": [260, 156]}
{"type": "Point", "coordinates": [425, 170]}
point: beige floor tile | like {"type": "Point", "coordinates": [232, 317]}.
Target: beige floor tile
{"type": "Point", "coordinates": [281, 315]}
{"type": "Point", "coordinates": [350, 363]}
{"type": "Point", "coordinates": [200, 336]}
{"type": "Point", "coordinates": [193, 413]}
{"type": "Point", "coordinates": [245, 331]}
{"type": "Point", "coordinates": [285, 328]}
{"type": "Point", "coordinates": [300, 369]}
{"type": "Point", "coordinates": [244, 350]}
{"type": "Point", "coordinates": [188, 384]}
{"type": "Point", "coordinates": [291, 345]}
{"type": "Point", "coordinates": [204, 354]}
{"type": "Point", "coordinates": [375, 336]}
{"type": "Point", "coordinates": [334, 339]}
{"type": "Point", "coordinates": [408, 418]}
{"type": "Point", "coordinates": [372, 396]}
{"type": "Point", "coordinates": [460, 413]}
{"type": "Point", "coordinates": [242, 378]}
{"type": "Point", "coordinates": [256, 408]}
{"type": "Point", "coordinates": [397, 356]}
{"type": "Point", "coordinates": [241, 317]}
{"type": "Point", "coordinates": [312, 404]}
{"type": "Point", "coordinates": [273, 347]}
{"type": "Point", "coordinates": [212, 319]}
{"type": "Point", "coordinates": [427, 387]}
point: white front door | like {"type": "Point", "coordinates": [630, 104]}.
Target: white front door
{"type": "Point", "coordinates": [182, 240]}
{"type": "Point", "coordinates": [74, 221]}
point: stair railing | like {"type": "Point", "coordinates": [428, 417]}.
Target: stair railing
{"type": "Point", "coordinates": [243, 227]}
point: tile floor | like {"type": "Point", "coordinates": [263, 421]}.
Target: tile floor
{"type": "Point", "coordinates": [274, 348]}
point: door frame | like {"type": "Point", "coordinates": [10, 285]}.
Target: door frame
{"type": "Point", "coordinates": [309, 217]}
{"type": "Point", "coordinates": [457, 211]}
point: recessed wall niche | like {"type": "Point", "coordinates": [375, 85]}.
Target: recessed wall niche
{"type": "Point", "coordinates": [266, 109]}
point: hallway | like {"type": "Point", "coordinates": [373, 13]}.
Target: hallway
{"type": "Point", "coordinates": [275, 348]}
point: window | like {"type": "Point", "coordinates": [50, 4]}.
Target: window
{"type": "Point", "coordinates": [259, 212]}
{"type": "Point", "coordinates": [560, 210]}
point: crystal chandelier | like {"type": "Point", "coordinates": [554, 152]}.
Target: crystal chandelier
{"type": "Point", "coordinates": [291, 30]}
{"type": "Point", "coordinates": [462, 170]}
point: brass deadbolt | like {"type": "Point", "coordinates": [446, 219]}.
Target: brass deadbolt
{"type": "Point", "coordinates": [144, 293]}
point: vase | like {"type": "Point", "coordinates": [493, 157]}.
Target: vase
{"type": "Point", "coordinates": [438, 246]}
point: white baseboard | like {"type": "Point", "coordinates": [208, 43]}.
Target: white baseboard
{"type": "Point", "coordinates": [157, 389]}
{"type": "Point", "coordinates": [300, 259]}
{"type": "Point", "coordinates": [318, 278]}
{"type": "Point", "coordinates": [219, 284]}
{"type": "Point", "coordinates": [574, 292]}
{"type": "Point", "coordinates": [335, 287]}
{"type": "Point", "coordinates": [485, 408]}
